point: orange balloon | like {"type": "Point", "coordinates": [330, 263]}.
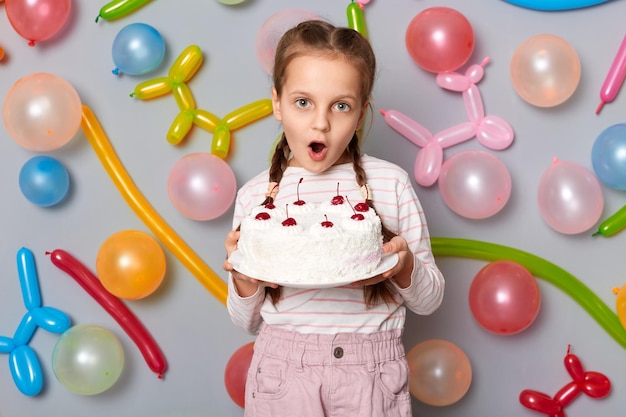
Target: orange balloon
{"type": "Point", "coordinates": [440, 372]}
{"type": "Point", "coordinates": [545, 70]}
{"type": "Point", "coordinates": [130, 264]}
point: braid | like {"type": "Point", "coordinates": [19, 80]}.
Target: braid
{"type": "Point", "coordinates": [372, 294]}
{"type": "Point", "coordinates": [279, 163]}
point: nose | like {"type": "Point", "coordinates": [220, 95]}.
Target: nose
{"type": "Point", "coordinates": [321, 122]}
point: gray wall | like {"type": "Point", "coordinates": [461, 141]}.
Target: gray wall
{"type": "Point", "coordinates": [191, 326]}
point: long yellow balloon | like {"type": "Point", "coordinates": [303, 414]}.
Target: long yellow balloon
{"type": "Point", "coordinates": [105, 152]}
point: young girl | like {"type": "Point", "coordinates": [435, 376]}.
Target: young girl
{"type": "Point", "coordinates": [332, 351]}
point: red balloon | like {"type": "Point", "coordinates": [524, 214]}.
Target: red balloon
{"type": "Point", "coordinates": [440, 39]}
{"type": "Point", "coordinates": [539, 401]}
{"type": "Point", "coordinates": [504, 297]}
{"type": "Point", "coordinates": [236, 373]}
{"type": "Point", "coordinates": [37, 20]}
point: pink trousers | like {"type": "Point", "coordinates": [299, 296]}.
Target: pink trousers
{"type": "Point", "coordinates": [316, 375]}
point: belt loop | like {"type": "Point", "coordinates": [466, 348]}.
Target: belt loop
{"type": "Point", "coordinates": [369, 353]}
{"type": "Point", "coordinates": [299, 348]}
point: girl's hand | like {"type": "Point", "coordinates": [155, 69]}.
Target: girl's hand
{"type": "Point", "coordinates": [401, 272]}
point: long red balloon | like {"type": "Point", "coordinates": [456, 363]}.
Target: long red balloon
{"type": "Point", "coordinates": [114, 306]}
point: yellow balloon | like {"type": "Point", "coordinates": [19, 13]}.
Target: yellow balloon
{"type": "Point", "coordinates": [141, 206]}
{"type": "Point", "coordinates": [130, 264]}
{"type": "Point", "coordinates": [180, 127]}
{"type": "Point", "coordinates": [150, 89]}
{"type": "Point", "coordinates": [184, 98]}
{"type": "Point", "coordinates": [186, 65]}
{"type": "Point", "coordinates": [205, 120]}
{"type": "Point", "coordinates": [248, 113]}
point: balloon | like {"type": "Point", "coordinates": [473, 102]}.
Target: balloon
{"type": "Point", "coordinates": [440, 372]}
{"type": "Point", "coordinates": [236, 373]}
{"type": "Point", "coordinates": [545, 70]}
{"type": "Point", "coordinates": [614, 224]}
{"type": "Point", "coordinates": [201, 186]}
{"type": "Point", "coordinates": [26, 370]}
{"type": "Point", "coordinates": [37, 20]}
{"type": "Point", "coordinates": [119, 8]}
{"type": "Point", "coordinates": [504, 297]}
{"type": "Point", "coordinates": [273, 29]}
{"type": "Point", "coordinates": [88, 359]}
{"type": "Point", "coordinates": [475, 184]}
{"type": "Point", "coordinates": [23, 361]}
{"type": "Point", "coordinates": [231, 2]}
{"type": "Point", "coordinates": [356, 21]}
{"type": "Point", "coordinates": [608, 156]}
{"type": "Point", "coordinates": [440, 39]}
{"type": "Point", "coordinates": [130, 264]}
{"type": "Point", "coordinates": [186, 64]}
{"type": "Point", "coordinates": [620, 304]}
{"type": "Point", "coordinates": [614, 78]}
{"type": "Point", "coordinates": [570, 197]}
{"type": "Point", "coordinates": [102, 147]}
{"type": "Point", "coordinates": [138, 49]}
{"type": "Point", "coordinates": [44, 181]}
{"type": "Point", "coordinates": [555, 4]}
{"type": "Point", "coordinates": [491, 131]}
{"type": "Point", "coordinates": [540, 268]}
{"type": "Point", "coordinates": [594, 384]}
{"type": "Point", "coordinates": [41, 112]}
{"type": "Point", "coordinates": [114, 306]}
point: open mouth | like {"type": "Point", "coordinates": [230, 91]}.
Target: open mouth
{"type": "Point", "coordinates": [317, 147]}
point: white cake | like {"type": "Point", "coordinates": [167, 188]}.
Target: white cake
{"type": "Point", "coordinates": [311, 243]}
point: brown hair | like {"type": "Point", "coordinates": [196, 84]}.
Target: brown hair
{"type": "Point", "coordinates": [317, 37]}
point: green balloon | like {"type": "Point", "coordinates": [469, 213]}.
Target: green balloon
{"type": "Point", "coordinates": [540, 268]}
{"type": "Point", "coordinates": [88, 359]}
{"type": "Point", "coordinates": [231, 2]}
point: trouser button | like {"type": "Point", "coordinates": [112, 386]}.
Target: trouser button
{"type": "Point", "coordinates": [338, 352]}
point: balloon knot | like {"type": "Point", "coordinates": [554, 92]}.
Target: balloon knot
{"type": "Point", "coordinates": [116, 71]}
{"type": "Point", "coordinates": [160, 375]}
{"type": "Point", "coordinates": [555, 160]}
{"type": "Point", "coordinates": [383, 112]}
{"type": "Point", "coordinates": [97, 18]}
{"type": "Point", "coordinates": [485, 61]}
{"type": "Point", "coordinates": [31, 43]}
{"type": "Point", "coordinates": [615, 290]}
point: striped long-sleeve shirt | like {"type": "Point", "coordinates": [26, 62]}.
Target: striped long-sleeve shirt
{"type": "Point", "coordinates": [342, 309]}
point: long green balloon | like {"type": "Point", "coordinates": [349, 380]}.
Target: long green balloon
{"type": "Point", "coordinates": [540, 268]}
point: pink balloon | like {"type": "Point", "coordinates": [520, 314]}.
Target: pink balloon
{"type": "Point", "coordinates": [440, 372]}
{"type": "Point", "coordinates": [273, 29]}
{"type": "Point", "coordinates": [42, 112]}
{"type": "Point", "coordinates": [37, 20]}
{"type": "Point", "coordinates": [570, 197]}
{"type": "Point", "coordinates": [545, 70]}
{"type": "Point", "coordinates": [504, 297]}
{"type": "Point", "coordinates": [474, 184]}
{"type": "Point", "coordinates": [201, 186]}
{"type": "Point", "coordinates": [440, 39]}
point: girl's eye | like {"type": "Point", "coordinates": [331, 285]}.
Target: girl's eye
{"type": "Point", "coordinates": [302, 103]}
{"type": "Point", "coordinates": [342, 107]}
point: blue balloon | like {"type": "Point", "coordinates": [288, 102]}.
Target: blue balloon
{"type": "Point", "coordinates": [29, 282]}
{"type": "Point", "coordinates": [608, 156]}
{"type": "Point", "coordinates": [44, 181]}
{"type": "Point", "coordinates": [554, 5]}
{"type": "Point", "coordinates": [137, 49]}
{"type": "Point", "coordinates": [26, 370]}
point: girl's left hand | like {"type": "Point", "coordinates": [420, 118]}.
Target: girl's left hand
{"type": "Point", "coordinates": [401, 271]}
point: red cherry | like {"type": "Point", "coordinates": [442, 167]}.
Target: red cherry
{"type": "Point", "coordinates": [357, 216]}
{"type": "Point", "coordinates": [362, 207]}
{"type": "Point", "coordinates": [262, 216]}
{"type": "Point", "coordinates": [327, 223]}
{"type": "Point", "coordinates": [270, 206]}
{"type": "Point", "coordinates": [299, 202]}
{"type": "Point", "coordinates": [337, 200]}
{"type": "Point", "coordinates": [289, 221]}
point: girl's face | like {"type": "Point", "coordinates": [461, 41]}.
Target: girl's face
{"type": "Point", "coordinates": [320, 108]}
